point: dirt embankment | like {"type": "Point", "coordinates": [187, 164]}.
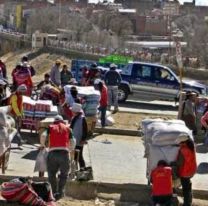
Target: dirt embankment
{"type": "Point", "coordinates": [42, 63]}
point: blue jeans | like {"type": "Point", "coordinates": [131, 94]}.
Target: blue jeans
{"type": "Point", "coordinates": [103, 114]}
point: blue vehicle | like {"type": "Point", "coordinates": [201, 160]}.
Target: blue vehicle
{"type": "Point", "coordinates": [145, 81]}
{"type": "Point", "coordinates": [78, 64]}
{"type": "Point", "coordinates": [154, 82]}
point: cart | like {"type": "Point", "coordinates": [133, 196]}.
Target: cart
{"type": "Point", "coordinates": [161, 138]}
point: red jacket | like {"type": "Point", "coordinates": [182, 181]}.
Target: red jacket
{"type": "Point", "coordinates": [59, 136]}
{"type": "Point", "coordinates": [189, 166]}
{"type": "Point", "coordinates": [162, 181]}
{"type": "Point", "coordinates": [104, 97]}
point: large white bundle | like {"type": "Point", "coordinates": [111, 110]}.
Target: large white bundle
{"type": "Point", "coordinates": [12, 134]}
{"type": "Point", "coordinates": [167, 153]}
{"type": "Point", "coordinates": [4, 139]}
{"type": "Point", "coordinates": [28, 103]}
{"type": "Point", "coordinates": [169, 133]}
{"type": "Point", "coordinates": [53, 112]}
{"type": "Point", "coordinates": [82, 91]}
{"type": "Point", "coordinates": [10, 122]}
{"type": "Point", "coordinates": [3, 119]}
{"type": "Point", "coordinates": [5, 109]}
{"type": "Point", "coordinates": [90, 95]}
{"type": "Point", "coordinates": [147, 132]}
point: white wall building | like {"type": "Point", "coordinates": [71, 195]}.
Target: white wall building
{"type": "Point", "coordinates": [39, 40]}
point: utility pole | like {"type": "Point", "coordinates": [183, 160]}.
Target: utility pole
{"type": "Point", "coordinates": [59, 12]}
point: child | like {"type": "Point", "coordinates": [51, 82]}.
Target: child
{"type": "Point", "coordinates": [79, 128]}
{"type": "Point", "coordinates": [161, 178]}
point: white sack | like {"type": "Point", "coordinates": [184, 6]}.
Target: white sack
{"type": "Point", "coordinates": [169, 133]}
{"type": "Point", "coordinates": [147, 132]}
{"type": "Point", "coordinates": [10, 122]}
{"type": "Point", "coordinates": [41, 161]}
{"type": "Point", "coordinates": [109, 121]}
{"type": "Point", "coordinates": [156, 153]}
{"type": "Point", "coordinates": [82, 91]}
{"type": "Point", "coordinates": [3, 119]}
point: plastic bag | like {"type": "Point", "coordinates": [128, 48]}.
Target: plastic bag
{"type": "Point", "coordinates": [41, 161]}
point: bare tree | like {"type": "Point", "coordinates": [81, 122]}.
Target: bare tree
{"type": "Point", "coordinates": [113, 22]}
{"type": "Point", "coordinates": [195, 32]}
{"type": "Point", "coordinates": [49, 20]}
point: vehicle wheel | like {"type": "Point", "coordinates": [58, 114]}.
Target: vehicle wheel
{"type": "Point", "coordinates": [122, 93]}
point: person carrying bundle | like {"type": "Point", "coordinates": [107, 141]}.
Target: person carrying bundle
{"type": "Point", "coordinates": [22, 75]}
{"type": "Point", "coordinates": [162, 186]}
{"type": "Point", "coordinates": [60, 142]}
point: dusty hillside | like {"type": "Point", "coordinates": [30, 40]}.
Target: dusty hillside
{"type": "Point", "coordinates": [42, 63]}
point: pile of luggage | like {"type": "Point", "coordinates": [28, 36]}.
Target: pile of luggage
{"type": "Point", "coordinates": [91, 98]}
{"type": "Point", "coordinates": [35, 111]}
{"type": "Point", "coordinates": [162, 139]}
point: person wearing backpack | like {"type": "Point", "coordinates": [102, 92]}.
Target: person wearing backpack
{"type": "Point", "coordinates": [60, 142]}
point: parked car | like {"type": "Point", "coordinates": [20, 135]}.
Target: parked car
{"type": "Point", "coordinates": [154, 82]}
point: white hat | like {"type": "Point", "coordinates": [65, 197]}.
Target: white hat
{"type": "Point", "coordinates": [76, 108]}
{"type": "Point", "coordinates": [58, 118]}
{"type": "Point", "coordinates": [22, 88]}
{"type": "Point", "coordinates": [113, 65]}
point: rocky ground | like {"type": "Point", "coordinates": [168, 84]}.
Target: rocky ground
{"type": "Point", "coordinates": [133, 121]}
{"type": "Point", "coordinates": [42, 63]}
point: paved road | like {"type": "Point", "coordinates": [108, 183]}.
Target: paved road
{"type": "Point", "coordinates": [151, 107]}
{"type": "Point", "coordinates": [117, 159]}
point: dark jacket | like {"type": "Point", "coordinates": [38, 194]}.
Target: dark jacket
{"type": "Point", "coordinates": [112, 78]}
{"type": "Point", "coordinates": [65, 77]}
{"type": "Point", "coordinates": [79, 128]}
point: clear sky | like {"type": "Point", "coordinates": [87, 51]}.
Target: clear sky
{"type": "Point", "coordinates": [198, 2]}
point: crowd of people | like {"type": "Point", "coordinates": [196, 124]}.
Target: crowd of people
{"type": "Point", "coordinates": [59, 137]}
{"type": "Point", "coordinates": [63, 140]}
